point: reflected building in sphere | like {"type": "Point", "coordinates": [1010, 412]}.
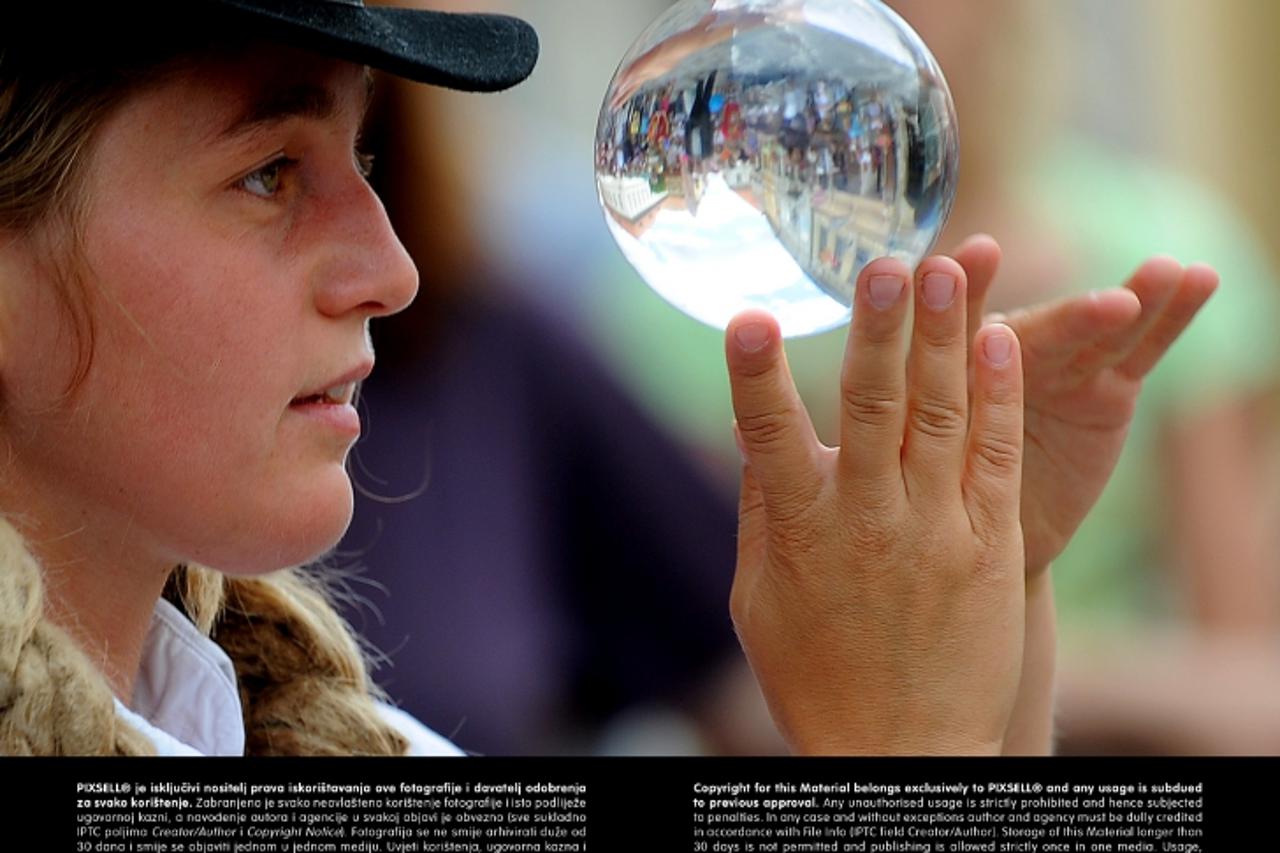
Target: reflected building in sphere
{"type": "Point", "coordinates": [759, 154]}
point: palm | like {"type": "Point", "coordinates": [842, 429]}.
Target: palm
{"type": "Point", "coordinates": [1073, 438]}
{"type": "Point", "coordinates": [1083, 360]}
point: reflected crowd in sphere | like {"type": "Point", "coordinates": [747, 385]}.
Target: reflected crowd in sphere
{"type": "Point", "coordinates": [756, 154]}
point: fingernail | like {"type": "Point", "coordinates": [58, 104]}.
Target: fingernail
{"type": "Point", "coordinates": [884, 290]}
{"type": "Point", "coordinates": [998, 347]}
{"type": "Point", "coordinates": [939, 290]}
{"type": "Point", "coordinates": [752, 337]}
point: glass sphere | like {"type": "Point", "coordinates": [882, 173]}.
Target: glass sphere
{"type": "Point", "coordinates": [759, 153]}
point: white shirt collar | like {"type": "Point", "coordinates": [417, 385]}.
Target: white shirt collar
{"type": "Point", "coordinates": [185, 699]}
{"type": "Point", "coordinates": [187, 702]}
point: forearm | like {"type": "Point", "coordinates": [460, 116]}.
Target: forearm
{"type": "Point", "coordinates": [1222, 511]}
{"type": "Point", "coordinates": [1030, 729]}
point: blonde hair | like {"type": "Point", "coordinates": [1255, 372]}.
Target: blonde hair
{"type": "Point", "coordinates": [303, 681]}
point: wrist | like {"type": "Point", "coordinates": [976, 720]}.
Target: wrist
{"type": "Point", "coordinates": [1031, 727]}
{"type": "Point", "coordinates": [1039, 583]}
{"type": "Point", "coordinates": [865, 743]}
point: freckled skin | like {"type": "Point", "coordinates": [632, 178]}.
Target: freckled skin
{"type": "Point", "coordinates": [218, 295]}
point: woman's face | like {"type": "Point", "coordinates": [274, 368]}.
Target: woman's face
{"type": "Point", "coordinates": [231, 257]}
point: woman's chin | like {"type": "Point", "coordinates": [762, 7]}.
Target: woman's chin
{"type": "Point", "coordinates": [321, 527]}
{"type": "Point", "coordinates": [287, 532]}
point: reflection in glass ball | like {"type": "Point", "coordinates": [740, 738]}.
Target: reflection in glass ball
{"type": "Point", "coordinates": [758, 153]}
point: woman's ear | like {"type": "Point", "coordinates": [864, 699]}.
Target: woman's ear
{"type": "Point", "coordinates": [25, 286]}
{"type": "Point", "coordinates": [10, 246]}
{"type": "Point", "coordinates": [45, 320]}
{"type": "Point", "coordinates": [18, 271]}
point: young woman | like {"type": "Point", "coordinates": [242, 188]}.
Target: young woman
{"type": "Point", "coordinates": [189, 260]}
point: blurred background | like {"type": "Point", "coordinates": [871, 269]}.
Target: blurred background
{"type": "Point", "coordinates": [549, 475]}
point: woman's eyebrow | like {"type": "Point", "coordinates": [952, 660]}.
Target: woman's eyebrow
{"type": "Point", "coordinates": [275, 105]}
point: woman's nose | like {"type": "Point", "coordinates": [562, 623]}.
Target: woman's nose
{"type": "Point", "coordinates": [368, 271]}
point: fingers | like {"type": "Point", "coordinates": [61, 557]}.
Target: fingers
{"type": "Point", "coordinates": [778, 441]}
{"type": "Point", "coordinates": [873, 378]}
{"type": "Point", "coordinates": [937, 395]}
{"type": "Point", "coordinates": [1054, 334]}
{"type": "Point", "coordinates": [630, 80]}
{"type": "Point", "coordinates": [980, 257]}
{"type": "Point", "coordinates": [1129, 328]}
{"type": "Point", "coordinates": [1154, 283]}
{"type": "Point", "coordinates": [627, 86]}
{"type": "Point", "coordinates": [993, 454]}
{"type": "Point", "coordinates": [1196, 285]}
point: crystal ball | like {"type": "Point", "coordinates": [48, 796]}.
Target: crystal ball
{"type": "Point", "coordinates": [759, 153]}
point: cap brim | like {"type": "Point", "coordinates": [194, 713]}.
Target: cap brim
{"type": "Point", "coordinates": [471, 52]}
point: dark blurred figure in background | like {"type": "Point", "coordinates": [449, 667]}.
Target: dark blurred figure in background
{"type": "Point", "coordinates": [558, 559]}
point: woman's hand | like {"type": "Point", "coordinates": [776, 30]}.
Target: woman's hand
{"type": "Point", "coordinates": [1083, 361]}
{"type": "Point", "coordinates": [879, 592]}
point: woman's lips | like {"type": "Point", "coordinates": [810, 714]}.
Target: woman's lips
{"type": "Point", "coordinates": [338, 414]}
{"type": "Point", "coordinates": [333, 405]}
{"type": "Point", "coordinates": [338, 394]}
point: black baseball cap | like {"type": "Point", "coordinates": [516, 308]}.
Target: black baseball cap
{"type": "Point", "coordinates": [471, 52]}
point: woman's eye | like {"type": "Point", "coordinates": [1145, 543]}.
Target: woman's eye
{"type": "Point", "coordinates": [364, 163]}
{"type": "Point", "coordinates": [266, 181]}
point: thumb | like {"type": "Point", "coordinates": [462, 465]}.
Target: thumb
{"type": "Point", "coordinates": [776, 437]}
{"type": "Point", "coordinates": [752, 539]}
{"type": "Point", "coordinates": [752, 521]}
